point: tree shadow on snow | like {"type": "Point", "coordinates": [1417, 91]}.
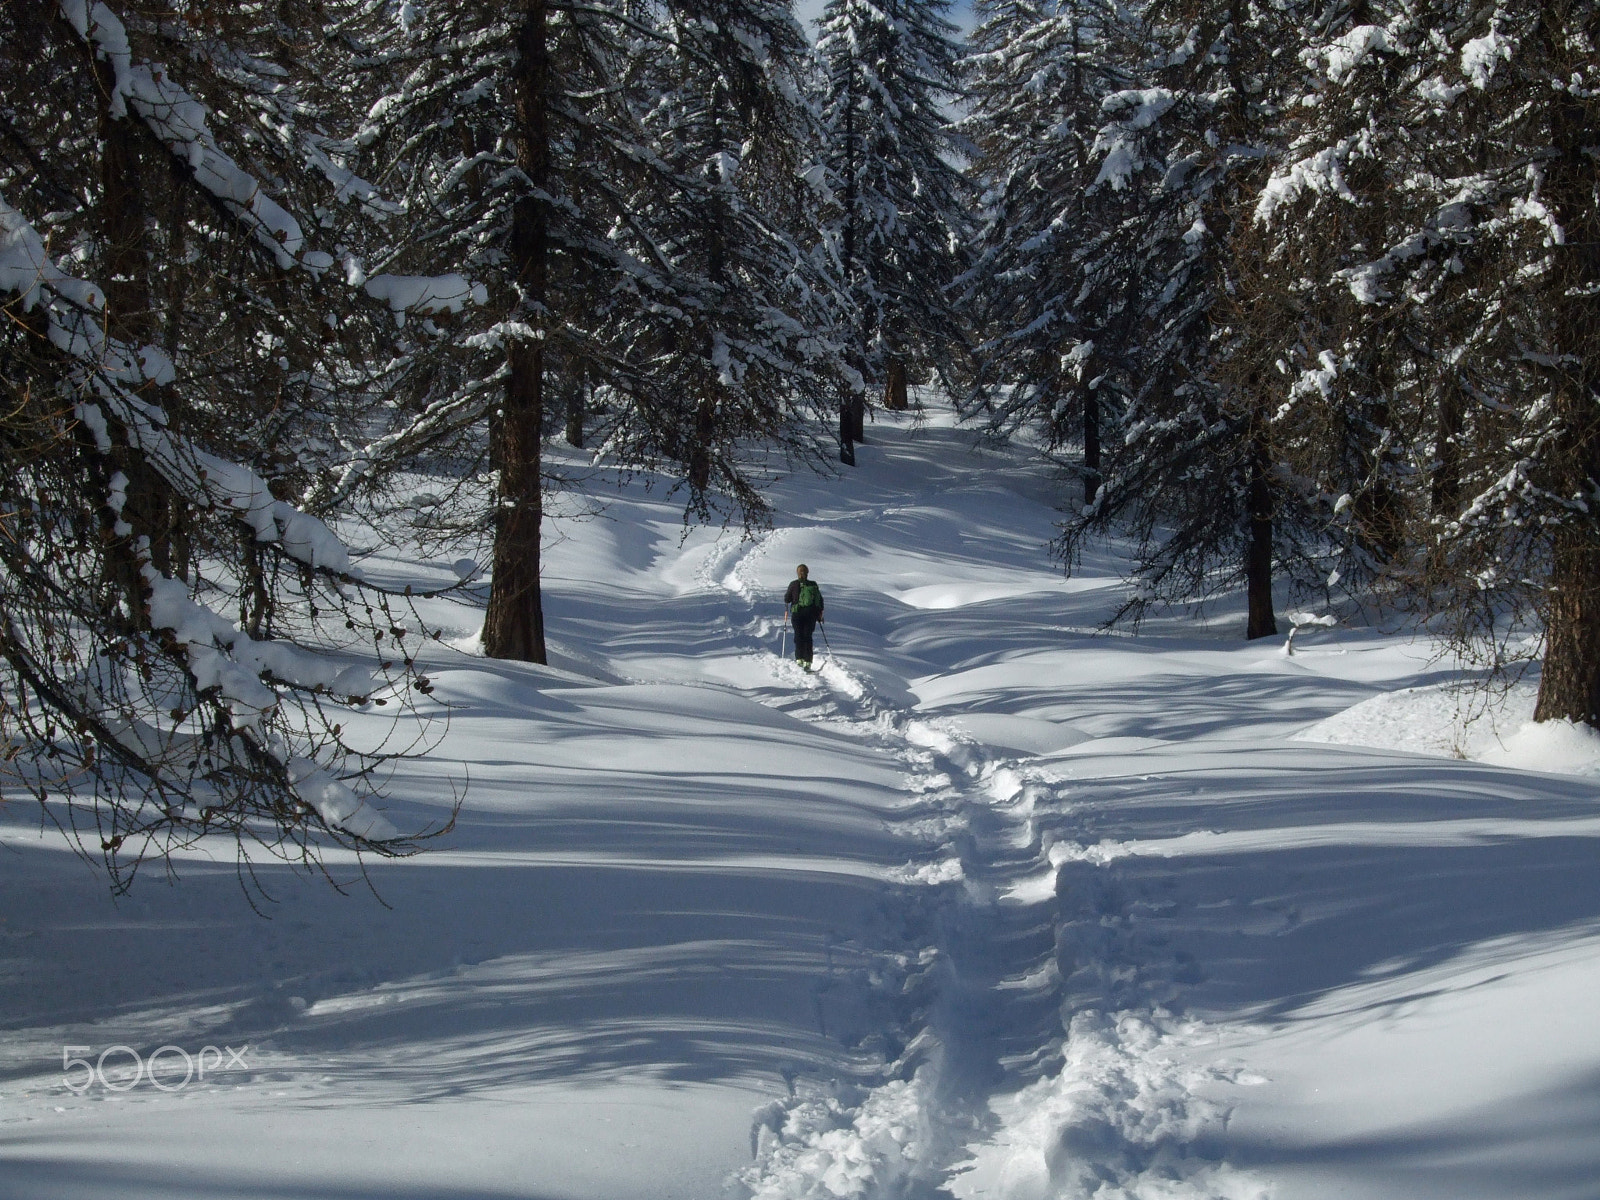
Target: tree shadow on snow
{"type": "Point", "coordinates": [1538, 1144]}
{"type": "Point", "coordinates": [1316, 870]}
{"type": "Point", "coordinates": [36, 1175]}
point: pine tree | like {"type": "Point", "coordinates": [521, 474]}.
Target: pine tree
{"type": "Point", "coordinates": [129, 691]}
{"type": "Point", "coordinates": [1053, 284]}
{"type": "Point", "coordinates": [1466, 255]}
{"type": "Point", "coordinates": [899, 234]}
{"type": "Point", "coordinates": [745, 353]}
{"type": "Point", "coordinates": [1354, 383]}
{"type": "Point", "coordinates": [631, 223]}
{"type": "Point", "coordinates": [1195, 473]}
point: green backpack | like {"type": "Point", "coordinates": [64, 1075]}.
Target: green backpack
{"type": "Point", "coordinates": [809, 597]}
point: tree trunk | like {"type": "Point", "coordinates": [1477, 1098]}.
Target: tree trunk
{"type": "Point", "coordinates": [171, 331]}
{"type": "Point", "coordinates": [513, 627]}
{"type": "Point", "coordinates": [124, 239]}
{"type": "Point", "coordinates": [576, 396]}
{"type": "Point", "coordinates": [130, 317]}
{"type": "Point", "coordinates": [1091, 446]}
{"type": "Point", "coordinates": [894, 392]}
{"type": "Point", "coordinates": [705, 425]}
{"type": "Point", "coordinates": [852, 416]}
{"type": "Point", "coordinates": [714, 230]}
{"type": "Point", "coordinates": [1258, 560]}
{"type": "Point", "coordinates": [850, 169]}
{"type": "Point", "coordinates": [1444, 489]}
{"type": "Point", "coordinates": [1569, 686]}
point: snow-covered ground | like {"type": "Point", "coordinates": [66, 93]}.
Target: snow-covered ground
{"type": "Point", "coordinates": [995, 905]}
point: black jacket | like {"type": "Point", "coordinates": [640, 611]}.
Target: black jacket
{"type": "Point", "coordinates": [793, 594]}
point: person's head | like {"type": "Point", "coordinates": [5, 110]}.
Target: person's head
{"type": "Point", "coordinates": [802, 571]}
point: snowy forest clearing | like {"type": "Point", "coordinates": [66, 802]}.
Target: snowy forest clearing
{"type": "Point", "coordinates": [707, 925]}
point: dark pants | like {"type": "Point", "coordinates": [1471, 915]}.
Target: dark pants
{"type": "Point", "coordinates": [805, 625]}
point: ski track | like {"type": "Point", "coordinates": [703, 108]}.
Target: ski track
{"type": "Point", "coordinates": [1021, 980]}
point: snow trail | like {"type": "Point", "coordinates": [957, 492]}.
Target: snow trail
{"type": "Point", "coordinates": [1101, 1102]}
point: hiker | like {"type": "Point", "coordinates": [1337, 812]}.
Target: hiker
{"type": "Point", "coordinates": [803, 604]}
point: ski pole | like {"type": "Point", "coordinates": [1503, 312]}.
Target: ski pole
{"type": "Point", "coordinates": [824, 631]}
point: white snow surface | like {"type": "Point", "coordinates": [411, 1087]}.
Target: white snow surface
{"type": "Point", "coordinates": [992, 905]}
{"type": "Point", "coordinates": [1463, 721]}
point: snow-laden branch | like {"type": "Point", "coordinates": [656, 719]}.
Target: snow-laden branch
{"type": "Point", "coordinates": [1130, 112]}
{"type": "Point", "coordinates": [114, 368]}
{"type": "Point", "coordinates": [179, 121]}
{"type": "Point", "coordinates": [221, 658]}
{"type": "Point", "coordinates": [1321, 173]}
{"type": "Point", "coordinates": [1344, 54]}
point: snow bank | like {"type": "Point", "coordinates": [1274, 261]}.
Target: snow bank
{"type": "Point", "coordinates": [1041, 887]}
{"type": "Point", "coordinates": [1442, 721]}
{"type": "Point", "coordinates": [1455, 722]}
{"type": "Point", "coordinates": [728, 933]}
{"type": "Point", "coordinates": [1562, 747]}
{"type": "Point", "coordinates": [931, 874]}
{"type": "Point", "coordinates": [961, 593]}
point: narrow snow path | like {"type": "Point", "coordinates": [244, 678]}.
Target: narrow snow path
{"type": "Point", "coordinates": [998, 939]}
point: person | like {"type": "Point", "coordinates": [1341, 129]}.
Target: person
{"type": "Point", "coordinates": [803, 604]}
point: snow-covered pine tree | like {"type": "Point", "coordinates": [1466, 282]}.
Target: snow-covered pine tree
{"type": "Point", "coordinates": [1053, 285]}
{"type": "Point", "coordinates": [1195, 475]}
{"type": "Point", "coordinates": [1549, 98]}
{"type": "Point", "coordinates": [495, 127]}
{"type": "Point", "coordinates": [1357, 375]}
{"type": "Point", "coordinates": [623, 179]}
{"type": "Point", "coordinates": [128, 696]}
{"type": "Point", "coordinates": [1477, 243]}
{"type": "Point", "coordinates": [222, 199]}
{"type": "Point", "coordinates": [745, 351]}
{"type": "Point", "coordinates": [890, 68]}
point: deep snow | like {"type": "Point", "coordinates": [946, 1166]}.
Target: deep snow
{"type": "Point", "coordinates": [994, 905]}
